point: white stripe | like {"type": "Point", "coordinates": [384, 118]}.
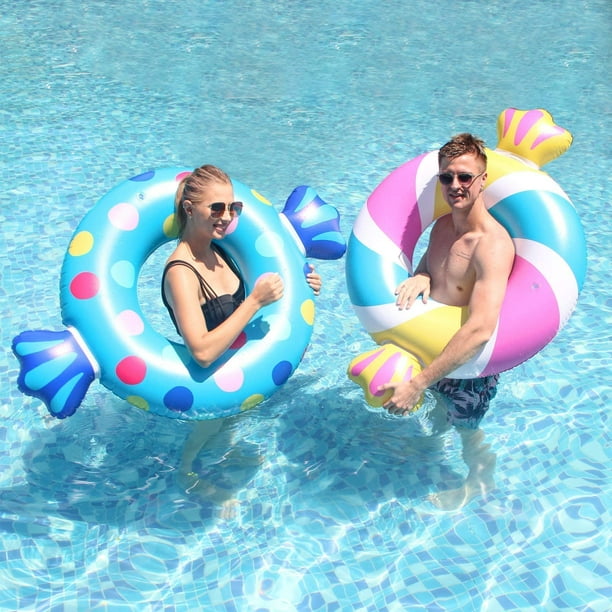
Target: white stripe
{"type": "Point", "coordinates": [386, 316]}
{"type": "Point", "coordinates": [369, 234]}
{"type": "Point", "coordinates": [377, 319]}
{"type": "Point", "coordinates": [479, 362]}
{"type": "Point", "coordinates": [517, 182]}
{"type": "Point", "coordinates": [426, 179]}
{"type": "Point", "coordinates": [76, 334]}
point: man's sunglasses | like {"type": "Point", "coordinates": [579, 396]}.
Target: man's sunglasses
{"type": "Point", "coordinates": [217, 209]}
{"type": "Point", "coordinates": [464, 178]}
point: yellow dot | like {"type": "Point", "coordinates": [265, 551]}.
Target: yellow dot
{"type": "Point", "coordinates": [170, 226]}
{"type": "Point", "coordinates": [81, 244]}
{"type": "Point", "coordinates": [251, 401]}
{"type": "Point", "coordinates": [308, 311]}
{"type": "Point", "coordinates": [261, 198]}
{"type": "Point", "coordinates": [139, 402]}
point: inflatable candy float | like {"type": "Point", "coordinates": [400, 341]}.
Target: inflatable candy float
{"type": "Point", "coordinates": [108, 336]}
{"type": "Point", "coordinates": [547, 276]}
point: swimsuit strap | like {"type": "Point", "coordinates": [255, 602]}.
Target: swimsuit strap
{"type": "Point", "coordinates": [207, 290]}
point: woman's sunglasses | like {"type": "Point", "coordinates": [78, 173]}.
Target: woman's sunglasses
{"type": "Point", "coordinates": [464, 178]}
{"type": "Point", "coordinates": [217, 209]}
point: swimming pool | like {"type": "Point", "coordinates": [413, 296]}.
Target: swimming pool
{"type": "Point", "coordinates": [337, 517]}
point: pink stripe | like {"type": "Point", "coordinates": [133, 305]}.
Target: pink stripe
{"type": "Point", "coordinates": [529, 318]}
{"type": "Point", "coordinates": [361, 365]}
{"type": "Point", "coordinates": [385, 374]}
{"type": "Point", "coordinates": [394, 205]}
{"type": "Point", "coordinates": [553, 130]}
{"type": "Point", "coordinates": [529, 119]}
{"type": "Point", "coordinates": [508, 115]}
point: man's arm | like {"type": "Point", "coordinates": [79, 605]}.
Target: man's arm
{"type": "Point", "coordinates": [492, 262]}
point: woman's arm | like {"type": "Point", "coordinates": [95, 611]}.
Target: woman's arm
{"type": "Point", "coordinates": [206, 346]}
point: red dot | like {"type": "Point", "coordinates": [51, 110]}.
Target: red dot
{"type": "Point", "coordinates": [239, 342]}
{"type": "Point", "coordinates": [131, 370]}
{"type": "Point", "coordinates": [84, 286]}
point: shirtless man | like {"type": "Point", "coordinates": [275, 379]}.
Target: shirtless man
{"type": "Point", "coordinates": [467, 262]}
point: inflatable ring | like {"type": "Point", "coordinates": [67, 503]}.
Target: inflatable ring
{"type": "Point", "coordinates": [543, 287]}
{"type": "Point", "coordinates": [108, 335]}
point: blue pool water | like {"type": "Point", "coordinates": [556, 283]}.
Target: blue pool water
{"type": "Point", "coordinates": [333, 94]}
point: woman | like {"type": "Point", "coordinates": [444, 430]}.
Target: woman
{"type": "Point", "coordinates": [202, 287]}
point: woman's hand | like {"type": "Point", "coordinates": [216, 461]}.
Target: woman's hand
{"type": "Point", "coordinates": [268, 288]}
{"type": "Point", "coordinates": [410, 289]}
{"type": "Point", "coordinates": [314, 280]}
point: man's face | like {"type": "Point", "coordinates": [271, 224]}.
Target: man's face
{"type": "Point", "coordinates": [462, 179]}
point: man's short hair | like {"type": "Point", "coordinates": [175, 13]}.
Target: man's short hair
{"type": "Point", "coordinates": [463, 144]}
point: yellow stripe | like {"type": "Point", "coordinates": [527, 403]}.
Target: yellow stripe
{"type": "Point", "coordinates": [426, 335]}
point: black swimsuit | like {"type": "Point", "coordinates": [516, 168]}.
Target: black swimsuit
{"type": "Point", "coordinates": [216, 308]}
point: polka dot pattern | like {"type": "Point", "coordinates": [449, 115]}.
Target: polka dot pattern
{"type": "Point", "coordinates": [123, 273]}
{"type": "Point", "coordinates": [84, 286]}
{"type": "Point", "coordinates": [130, 322]}
{"type": "Point", "coordinates": [229, 379]}
{"type": "Point", "coordinates": [178, 399]}
{"type": "Point", "coordinates": [124, 217]}
{"type": "Point", "coordinates": [239, 342]}
{"type": "Point", "coordinates": [81, 244]}
{"type": "Point", "coordinates": [308, 311]}
{"type": "Point", "coordinates": [99, 299]}
{"type": "Point", "coordinates": [131, 370]}
{"type": "Point", "coordinates": [281, 372]}
{"type": "Point", "coordinates": [252, 401]}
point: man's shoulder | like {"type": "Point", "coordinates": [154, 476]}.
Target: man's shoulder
{"type": "Point", "coordinates": [495, 246]}
{"type": "Point", "coordinates": [496, 231]}
{"type": "Point", "coordinates": [442, 224]}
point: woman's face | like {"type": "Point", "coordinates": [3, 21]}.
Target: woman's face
{"type": "Point", "coordinates": [208, 220]}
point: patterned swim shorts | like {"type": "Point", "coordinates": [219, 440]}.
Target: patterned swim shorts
{"type": "Point", "coordinates": [467, 400]}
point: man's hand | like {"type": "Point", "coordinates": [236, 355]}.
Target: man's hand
{"type": "Point", "coordinates": [405, 398]}
{"type": "Point", "coordinates": [410, 289]}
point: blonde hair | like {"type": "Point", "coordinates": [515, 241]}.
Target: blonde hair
{"type": "Point", "coordinates": [192, 188]}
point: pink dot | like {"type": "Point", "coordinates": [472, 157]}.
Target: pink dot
{"type": "Point", "coordinates": [130, 323]}
{"type": "Point", "coordinates": [84, 285]}
{"type": "Point", "coordinates": [180, 176]}
{"type": "Point", "coordinates": [239, 342]}
{"type": "Point", "coordinates": [131, 370]}
{"type": "Point", "coordinates": [229, 379]}
{"type": "Point", "coordinates": [124, 216]}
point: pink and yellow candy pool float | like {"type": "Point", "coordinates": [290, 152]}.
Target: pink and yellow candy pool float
{"type": "Point", "coordinates": [547, 276]}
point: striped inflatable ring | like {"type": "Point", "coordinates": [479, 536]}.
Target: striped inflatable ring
{"type": "Point", "coordinates": [109, 336]}
{"type": "Point", "coordinates": [548, 272]}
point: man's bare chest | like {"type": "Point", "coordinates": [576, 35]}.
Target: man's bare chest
{"type": "Point", "coordinates": [450, 263]}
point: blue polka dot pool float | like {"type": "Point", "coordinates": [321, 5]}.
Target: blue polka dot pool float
{"type": "Point", "coordinates": [109, 338]}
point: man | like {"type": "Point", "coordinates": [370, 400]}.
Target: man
{"type": "Point", "coordinates": [467, 262]}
